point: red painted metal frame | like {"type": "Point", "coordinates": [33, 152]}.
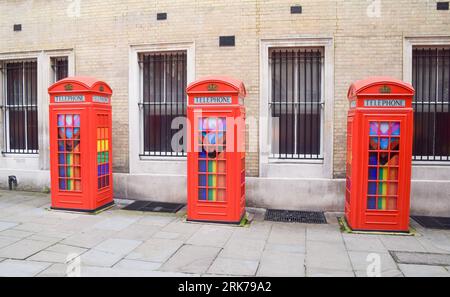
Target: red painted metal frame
{"type": "Point", "coordinates": [208, 199]}
{"type": "Point", "coordinates": [391, 209]}
{"type": "Point", "coordinates": [95, 119]}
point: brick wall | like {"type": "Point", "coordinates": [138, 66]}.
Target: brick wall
{"type": "Point", "coordinates": [104, 30]}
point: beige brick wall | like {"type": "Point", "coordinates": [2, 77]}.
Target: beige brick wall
{"type": "Point", "coordinates": [104, 30]}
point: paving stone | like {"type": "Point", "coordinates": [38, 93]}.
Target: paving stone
{"type": "Point", "coordinates": [287, 234]}
{"type": "Point", "coordinates": [58, 254]}
{"type": "Point", "coordinates": [366, 243]}
{"type": "Point", "coordinates": [282, 264]}
{"type": "Point", "coordinates": [115, 224]}
{"type": "Point", "coordinates": [137, 265]}
{"type": "Point", "coordinates": [88, 238]}
{"type": "Point", "coordinates": [208, 235]}
{"type": "Point", "coordinates": [388, 273]}
{"type": "Point", "coordinates": [192, 259]}
{"type": "Point", "coordinates": [233, 267]}
{"type": "Point", "coordinates": [328, 233]}
{"type": "Point", "coordinates": [169, 235]}
{"type": "Point", "coordinates": [286, 248]}
{"type": "Point", "coordinates": [54, 270]}
{"type": "Point", "coordinates": [435, 241]}
{"type": "Point", "coordinates": [6, 225]}
{"type": "Point", "coordinates": [402, 243]}
{"type": "Point", "coordinates": [155, 220]}
{"type": "Point", "coordinates": [411, 270]}
{"type": "Point", "coordinates": [155, 250]}
{"type": "Point", "coordinates": [137, 232]}
{"type": "Point", "coordinates": [256, 230]}
{"type": "Point", "coordinates": [23, 249]}
{"type": "Point", "coordinates": [116, 272]}
{"type": "Point", "coordinates": [100, 258]}
{"type": "Point", "coordinates": [16, 233]}
{"type": "Point", "coordinates": [48, 239]}
{"type": "Point", "coordinates": [118, 246]}
{"type": "Point", "coordinates": [6, 240]}
{"type": "Point", "coordinates": [324, 272]}
{"type": "Point", "coordinates": [18, 268]}
{"type": "Point", "coordinates": [422, 258]}
{"type": "Point", "coordinates": [245, 249]}
{"type": "Point", "coordinates": [327, 255]}
{"type": "Point", "coordinates": [362, 260]}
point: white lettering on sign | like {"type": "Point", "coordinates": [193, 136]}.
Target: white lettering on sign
{"type": "Point", "coordinates": [78, 98]}
{"type": "Point", "coordinates": [212, 100]}
{"type": "Point", "coordinates": [385, 103]}
{"type": "Point", "coordinates": [100, 99]}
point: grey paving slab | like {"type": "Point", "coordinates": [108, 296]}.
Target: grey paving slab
{"type": "Point", "coordinates": [411, 270]}
{"type": "Point", "coordinates": [88, 238]}
{"type": "Point", "coordinates": [118, 246]}
{"type": "Point", "coordinates": [366, 243]}
{"type": "Point", "coordinates": [422, 258]}
{"type": "Point", "coordinates": [209, 235]}
{"type": "Point", "coordinates": [328, 233]}
{"type": "Point", "coordinates": [435, 241]}
{"type": "Point", "coordinates": [288, 234]}
{"type": "Point", "coordinates": [402, 243]}
{"type": "Point", "coordinates": [58, 254]}
{"type": "Point", "coordinates": [31, 227]}
{"type": "Point", "coordinates": [325, 272]}
{"type": "Point", "coordinates": [6, 225]}
{"type": "Point", "coordinates": [115, 224]}
{"type": "Point", "coordinates": [256, 230]}
{"type": "Point", "coordinates": [16, 233]}
{"type": "Point", "coordinates": [23, 249]}
{"type": "Point", "coordinates": [281, 264]}
{"type": "Point", "coordinates": [233, 267]}
{"type": "Point", "coordinates": [192, 259]}
{"type": "Point", "coordinates": [363, 260]}
{"type": "Point", "coordinates": [155, 250]}
{"type": "Point", "coordinates": [137, 265]}
{"type": "Point", "coordinates": [137, 232]}
{"type": "Point", "coordinates": [48, 239]}
{"type": "Point", "coordinates": [387, 273]}
{"type": "Point", "coordinates": [327, 255]}
{"type": "Point", "coordinates": [286, 248]}
{"type": "Point", "coordinates": [54, 270]}
{"type": "Point", "coordinates": [18, 268]}
{"type": "Point", "coordinates": [156, 220]}
{"type": "Point", "coordinates": [99, 258]}
{"type": "Point", "coordinates": [6, 240]}
{"type": "Point", "coordinates": [116, 272]}
{"type": "Point", "coordinates": [245, 249]}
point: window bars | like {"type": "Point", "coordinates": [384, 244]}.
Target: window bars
{"type": "Point", "coordinates": [60, 66]}
{"type": "Point", "coordinates": [163, 103]}
{"type": "Point", "coordinates": [20, 107]}
{"type": "Point", "coordinates": [296, 103]}
{"type": "Point", "coordinates": [431, 80]}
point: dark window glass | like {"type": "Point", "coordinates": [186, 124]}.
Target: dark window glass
{"type": "Point", "coordinates": [60, 66]}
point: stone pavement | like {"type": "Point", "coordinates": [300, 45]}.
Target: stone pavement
{"type": "Point", "coordinates": [37, 242]}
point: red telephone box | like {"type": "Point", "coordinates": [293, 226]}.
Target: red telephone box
{"type": "Point", "coordinates": [379, 153]}
{"type": "Point", "coordinates": [216, 150]}
{"type": "Point", "coordinates": [80, 144]}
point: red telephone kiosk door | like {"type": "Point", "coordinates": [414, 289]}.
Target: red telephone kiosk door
{"type": "Point", "coordinates": [379, 153]}
{"type": "Point", "coordinates": [216, 150]}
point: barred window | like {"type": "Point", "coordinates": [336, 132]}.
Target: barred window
{"type": "Point", "coordinates": [20, 111]}
{"type": "Point", "coordinates": [431, 80]}
{"type": "Point", "coordinates": [60, 67]}
{"type": "Point", "coordinates": [163, 103]}
{"type": "Point", "coordinates": [296, 103]}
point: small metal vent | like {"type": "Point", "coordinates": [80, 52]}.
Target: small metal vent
{"type": "Point", "coordinates": [442, 5]}
{"type": "Point", "coordinates": [296, 9]}
{"type": "Point", "coordinates": [161, 16]}
{"type": "Point", "coordinates": [433, 222]}
{"type": "Point", "coordinates": [226, 41]}
{"type": "Point", "coordinates": [17, 27]}
{"type": "Point", "coordinates": [151, 206]}
{"type": "Point", "coordinates": [294, 216]}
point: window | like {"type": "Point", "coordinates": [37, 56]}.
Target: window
{"type": "Point", "coordinates": [60, 67]}
{"type": "Point", "coordinates": [431, 80]}
{"type": "Point", "coordinates": [296, 103]}
{"type": "Point", "coordinates": [20, 106]}
{"type": "Point", "coordinates": [163, 91]}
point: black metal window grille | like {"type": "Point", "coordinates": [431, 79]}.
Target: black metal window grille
{"type": "Point", "coordinates": [163, 91]}
{"type": "Point", "coordinates": [60, 67]}
{"type": "Point", "coordinates": [296, 103]}
{"type": "Point", "coordinates": [20, 110]}
{"type": "Point", "coordinates": [431, 80]}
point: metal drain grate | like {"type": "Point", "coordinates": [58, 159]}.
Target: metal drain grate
{"type": "Point", "coordinates": [295, 216]}
{"type": "Point", "coordinates": [419, 258]}
{"type": "Point", "coordinates": [433, 222]}
{"type": "Point", "coordinates": [152, 206]}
